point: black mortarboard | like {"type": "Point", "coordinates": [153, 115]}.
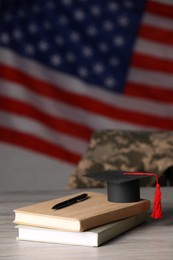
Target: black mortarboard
{"type": "Point", "coordinates": [122, 186]}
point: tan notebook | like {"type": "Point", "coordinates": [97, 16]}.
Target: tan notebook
{"type": "Point", "coordinates": [90, 213]}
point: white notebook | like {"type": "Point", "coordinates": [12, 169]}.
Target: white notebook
{"type": "Point", "coordinates": [93, 237]}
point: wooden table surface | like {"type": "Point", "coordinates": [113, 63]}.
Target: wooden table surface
{"type": "Point", "coordinates": [151, 241]}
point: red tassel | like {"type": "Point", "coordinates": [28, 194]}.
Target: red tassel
{"type": "Point", "coordinates": [157, 207]}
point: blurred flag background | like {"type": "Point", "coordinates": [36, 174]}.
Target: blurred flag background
{"type": "Point", "coordinates": [69, 67]}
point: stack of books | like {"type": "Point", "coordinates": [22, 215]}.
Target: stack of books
{"type": "Point", "coordinates": [91, 222]}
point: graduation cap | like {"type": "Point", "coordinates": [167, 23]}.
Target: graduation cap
{"type": "Point", "coordinates": [124, 187]}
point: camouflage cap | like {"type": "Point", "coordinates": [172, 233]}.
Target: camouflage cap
{"type": "Point", "coordinates": [124, 150]}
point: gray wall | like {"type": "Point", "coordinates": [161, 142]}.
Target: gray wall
{"type": "Point", "coordinates": [23, 170]}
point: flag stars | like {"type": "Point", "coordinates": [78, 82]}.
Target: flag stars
{"type": "Point", "coordinates": [70, 57]}
{"type": "Point", "coordinates": [63, 20]}
{"type": "Point", "coordinates": [87, 51]}
{"type": "Point", "coordinates": [112, 6]}
{"type": "Point", "coordinates": [5, 38]}
{"type": "Point", "coordinates": [21, 13]}
{"type": "Point", "coordinates": [32, 28]}
{"type": "Point", "coordinates": [114, 62]}
{"type": "Point", "coordinates": [29, 49]}
{"type": "Point", "coordinates": [79, 15]}
{"type": "Point", "coordinates": [83, 72]}
{"type": "Point", "coordinates": [66, 2]}
{"type": "Point", "coordinates": [118, 41]}
{"type": "Point", "coordinates": [7, 17]}
{"type": "Point", "coordinates": [103, 47]}
{"type": "Point", "coordinates": [47, 25]}
{"type": "Point", "coordinates": [59, 40]}
{"type": "Point", "coordinates": [98, 68]}
{"type": "Point", "coordinates": [43, 46]}
{"type": "Point", "coordinates": [50, 5]}
{"type": "Point", "coordinates": [108, 26]}
{"type": "Point", "coordinates": [92, 31]}
{"type": "Point", "coordinates": [95, 10]}
{"type": "Point", "coordinates": [17, 34]}
{"type": "Point", "coordinates": [110, 82]}
{"type": "Point", "coordinates": [74, 36]}
{"type": "Point", "coordinates": [36, 9]}
{"type": "Point", "coordinates": [128, 4]}
{"type": "Point", "coordinates": [92, 53]}
{"type": "Point", "coordinates": [123, 21]}
{"type": "Point", "coordinates": [56, 60]}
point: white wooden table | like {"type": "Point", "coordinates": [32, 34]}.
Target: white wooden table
{"type": "Point", "coordinates": [151, 241]}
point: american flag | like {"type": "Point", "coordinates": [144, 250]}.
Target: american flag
{"type": "Point", "coordinates": [69, 67]}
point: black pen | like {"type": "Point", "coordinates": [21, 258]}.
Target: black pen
{"type": "Point", "coordinates": [71, 201]}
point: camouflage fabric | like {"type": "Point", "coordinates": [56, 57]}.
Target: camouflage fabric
{"type": "Point", "coordinates": [126, 151]}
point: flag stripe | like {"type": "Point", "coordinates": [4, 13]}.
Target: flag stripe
{"type": "Point", "coordinates": [158, 21]}
{"type": "Point", "coordinates": [151, 74]}
{"type": "Point", "coordinates": [69, 83]}
{"type": "Point", "coordinates": [165, 10]}
{"type": "Point", "coordinates": [154, 49]}
{"type": "Point", "coordinates": [33, 127]}
{"type": "Point", "coordinates": [36, 70]}
{"type": "Point", "coordinates": [151, 70]}
{"type": "Point", "coordinates": [34, 143]}
{"type": "Point", "coordinates": [89, 104]}
{"type": "Point", "coordinates": [154, 78]}
{"type": "Point", "coordinates": [157, 34]}
{"type": "Point", "coordinates": [57, 124]}
{"type": "Point", "coordinates": [152, 63]}
{"type": "Point", "coordinates": [132, 89]}
{"type": "Point", "coordinates": [61, 110]}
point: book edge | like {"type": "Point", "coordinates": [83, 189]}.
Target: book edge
{"type": "Point", "coordinates": [98, 237]}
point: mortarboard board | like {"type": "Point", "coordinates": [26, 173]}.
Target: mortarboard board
{"type": "Point", "coordinates": [124, 187]}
